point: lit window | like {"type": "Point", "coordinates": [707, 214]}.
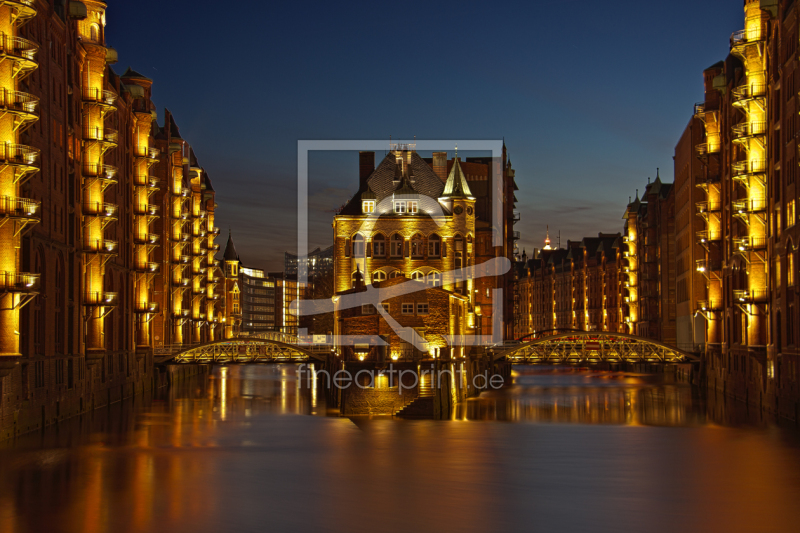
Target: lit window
{"type": "Point", "coordinates": [434, 279]}
{"type": "Point", "coordinates": [408, 309]}
{"type": "Point", "coordinates": [412, 207]}
{"type": "Point", "coordinates": [358, 245]}
{"type": "Point", "coordinates": [418, 276]}
{"type": "Point", "coordinates": [434, 245]}
{"type": "Point", "coordinates": [397, 245]}
{"type": "Point", "coordinates": [368, 206]}
{"type": "Point", "coordinates": [422, 308]}
{"type": "Point", "coordinates": [378, 245]}
{"type": "Point", "coordinates": [790, 267]}
{"type": "Point", "coordinates": [379, 275]}
{"type": "Point", "coordinates": [400, 207]}
{"type": "Point", "coordinates": [416, 246]}
{"type": "Point", "coordinates": [790, 214]}
{"type": "Point", "coordinates": [396, 274]}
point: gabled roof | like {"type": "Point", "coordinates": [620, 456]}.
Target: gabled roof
{"type": "Point", "coordinates": [456, 185]}
{"type": "Point", "coordinates": [230, 250]}
{"type": "Point", "coordinates": [130, 73]}
{"type": "Point", "coordinates": [174, 132]}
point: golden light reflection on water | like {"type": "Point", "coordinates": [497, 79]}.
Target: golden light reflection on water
{"type": "Point", "coordinates": [183, 462]}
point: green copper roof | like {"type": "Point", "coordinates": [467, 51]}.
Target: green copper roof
{"type": "Point", "coordinates": [456, 186]}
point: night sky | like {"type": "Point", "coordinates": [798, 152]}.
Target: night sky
{"type": "Point", "coordinates": [591, 97]}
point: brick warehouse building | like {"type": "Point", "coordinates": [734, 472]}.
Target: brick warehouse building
{"type": "Point", "coordinates": [431, 222]}
{"type": "Point", "coordinates": [99, 208]}
{"type": "Point", "coordinates": [749, 172]}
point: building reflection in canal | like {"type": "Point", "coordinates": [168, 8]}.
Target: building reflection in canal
{"type": "Point", "coordinates": [227, 452]}
{"type": "Point", "coordinates": [583, 396]}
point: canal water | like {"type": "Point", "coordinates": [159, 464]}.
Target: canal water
{"type": "Point", "coordinates": [253, 449]}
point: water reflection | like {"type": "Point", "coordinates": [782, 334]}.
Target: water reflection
{"type": "Point", "coordinates": [228, 452]}
{"type": "Point", "coordinates": [582, 396]}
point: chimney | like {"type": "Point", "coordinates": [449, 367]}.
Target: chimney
{"type": "Point", "coordinates": [440, 164]}
{"type": "Point", "coordinates": [366, 165]}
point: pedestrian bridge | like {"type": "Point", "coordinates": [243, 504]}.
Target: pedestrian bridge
{"type": "Point", "coordinates": [247, 350]}
{"type": "Point", "coordinates": [591, 347]}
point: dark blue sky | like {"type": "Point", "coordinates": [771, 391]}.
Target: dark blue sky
{"type": "Point", "coordinates": [590, 96]}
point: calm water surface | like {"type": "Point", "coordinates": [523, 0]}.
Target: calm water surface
{"type": "Point", "coordinates": [251, 449]}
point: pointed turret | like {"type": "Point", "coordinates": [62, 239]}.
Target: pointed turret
{"type": "Point", "coordinates": [230, 250]}
{"type": "Point", "coordinates": [456, 185]}
{"type": "Point", "coordinates": [547, 240]}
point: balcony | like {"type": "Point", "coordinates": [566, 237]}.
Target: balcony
{"type": "Point", "coordinates": [700, 110]}
{"type": "Point", "coordinates": [20, 155]}
{"type": "Point", "coordinates": [203, 213]}
{"type": "Point", "coordinates": [515, 217]}
{"type": "Point", "coordinates": [703, 149]}
{"type": "Point", "coordinates": [199, 269]}
{"type": "Point", "coordinates": [745, 130]}
{"type": "Point", "coordinates": [107, 173]}
{"type": "Point", "coordinates": [709, 305]}
{"type": "Point", "coordinates": [741, 39]}
{"type": "Point", "coordinates": [747, 168]}
{"type": "Point", "coordinates": [703, 208]}
{"type": "Point", "coordinates": [106, 136]}
{"type": "Point", "coordinates": [213, 230]}
{"type": "Point", "coordinates": [20, 282]}
{"type": "Point", "coordinates": [181, 313]}
{"type": "Point", "coordinates": [147, 238]}
{"type": "Point", "coordinates": [748, 92]}
{"type": "Point", "coordinates": [706, 236]}
{"type": "Point", "coordinates": [24, 9]}
{"type": "Point", "coordinates": [102, 247]}
{"type": "Point", "coordinates": [147, 152]}
{"type": "Point", "coordinates": [704, 182]}
{"type": "Point", "coordinates": [146, 209]}
{"type": "Point", "coordinates": [199, 290]}
{"type": "Point", "coordinates": [186, 237]}
{"type": "Point", "coordinates": [516, 235]}
{"type": "Point", "coordinates": [746, 244]}
{"type": "Point", "coordinates": [705, 265]}
{"type": "Point", "coordinates": [186, 192]}
{"type": "Point", "coordinates": [750, 295]}
{"type": "Point", "coordinates": [185, 259]}
{"type": "Point", "coordinates": [753, 205]}
{"type": "Point", "coordinates": [99, 97]}
{"type": "Point", "coordinates": [21, 51]}
{"type": "Point", "coordinates": [182, 282]}
{"type": "Point", "coordinates": [146, 267]}
{"type": "Point", "coordinates": [104, 299]}
{"type": "Point", "coordinates": [185, 214]}
{"type": "Point", "coordinates": [215, 247]}
{"type": "Point", "coordinates": [20, 208]}
{"type": "Point", "coordinates": [24, 106]}
{"type": "Point", "coordinates": [100, 209]}
{"type": "Point", "coordinates": [146, 307]}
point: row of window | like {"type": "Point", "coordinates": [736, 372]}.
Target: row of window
{"type": "Point", "coordinates": [417, 245]}
{"type": "Point", "coordinates": [400, 207]}
{"type": "Point", "coordinates": [405, 308]}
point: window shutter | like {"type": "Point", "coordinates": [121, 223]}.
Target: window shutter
{"type": "Point", "coordinates": [347, 247]}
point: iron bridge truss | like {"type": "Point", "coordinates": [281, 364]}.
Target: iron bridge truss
{"type": "Point", "coordinates": [245, 351]}
{"type": "Point", "coordinates": [591, 348]}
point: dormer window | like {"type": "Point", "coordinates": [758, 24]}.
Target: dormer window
{"type": "Point", "coordinates": [368, 206]}
{"type": "Point", "coordinates": [412, 207]}
{"type": "Point", "coordinates": [400, 207]}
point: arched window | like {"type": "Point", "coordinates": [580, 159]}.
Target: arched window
{"type": "Point", "coordinates": [94, 32]}
{"type": "Point", "coordinates": [418, 276]}
{"type": "Point", "coordinates": [357, 274]}
{"type": "Point", "coordinates": [434, 245]}
{"type": "Point", "coordinates": [396, 274]}
{"type": "Point", "coordinates": [417, 246]}
{"type": "Point", "coordinates": [397, 245]}
{"type": "Point", "coordinates": [434, 279]}
{"type": "Point", "coordinates": [378, 245]}
{"type": "Point", "coordinates": [358, 245]}
{"type": "Point", "coordinates": [378, 275]}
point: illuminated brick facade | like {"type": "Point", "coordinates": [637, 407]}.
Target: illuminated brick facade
{"type": "Point", "coordinates": [88, 179]}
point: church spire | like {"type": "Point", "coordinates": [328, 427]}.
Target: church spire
{"type": "Point", "coordinates": [547, 240]}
